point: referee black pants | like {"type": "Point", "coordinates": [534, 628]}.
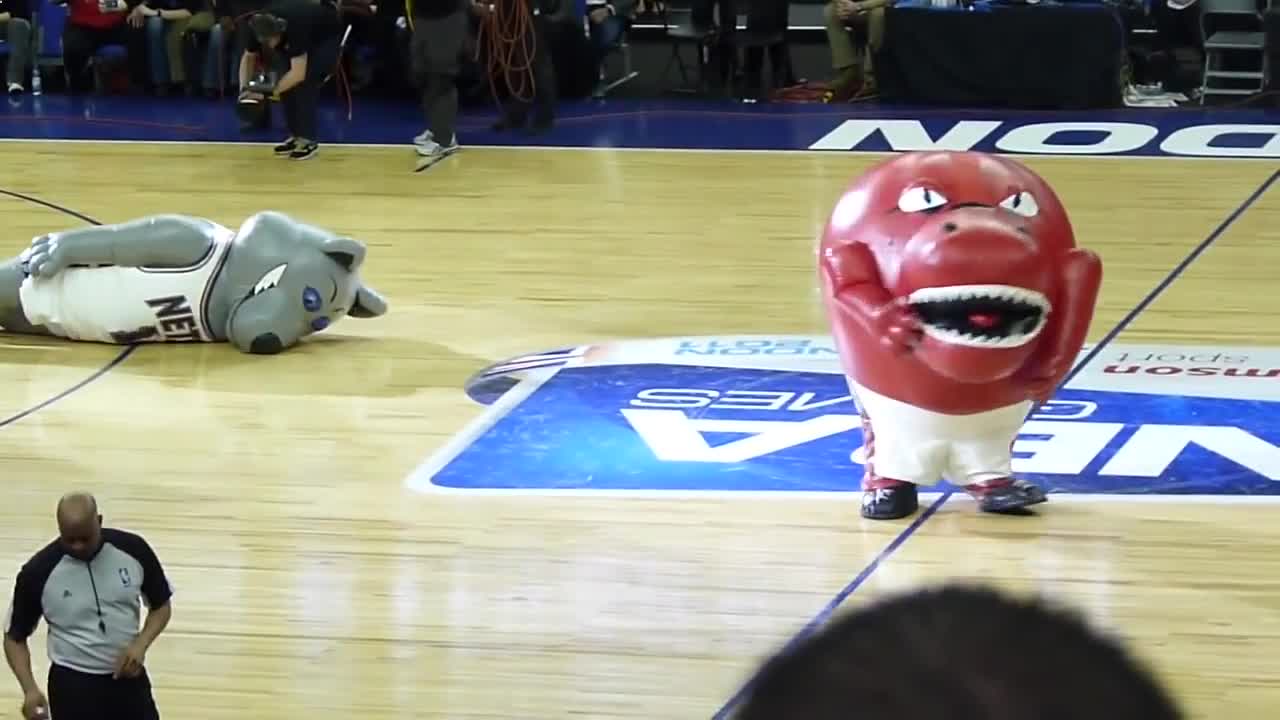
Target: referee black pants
{"type": "Point", "coordinates": [74, 695]}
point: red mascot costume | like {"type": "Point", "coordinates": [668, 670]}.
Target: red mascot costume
{"type": "Point", "coordinates": [958, 300]}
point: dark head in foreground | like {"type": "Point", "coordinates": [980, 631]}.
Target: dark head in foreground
{"type": "Point", "coordinates": [957, 653]}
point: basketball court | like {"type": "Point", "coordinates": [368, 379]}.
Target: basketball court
{"type": "Point", "coordinates": [351, 533]}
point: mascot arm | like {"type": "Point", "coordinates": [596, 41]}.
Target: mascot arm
{"type": "Point", "coordinates": [858, 294]}
{"type": "Point", "coordinates": [1081, 278]}
{"type": "Point", "coordinates": [158, 241]}
{"type": "Point", "coordinates": [854, 282]}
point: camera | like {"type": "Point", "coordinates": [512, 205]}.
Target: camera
{"type": "Point", "coordinates": [260, 83]}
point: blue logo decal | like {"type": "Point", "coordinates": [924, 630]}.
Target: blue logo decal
{"type": "Point", "coordinates": [655, 427]}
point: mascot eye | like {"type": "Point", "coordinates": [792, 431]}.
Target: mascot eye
{"type": "Point", "coordinates": [1023, 203]}
{"type": "Point", "coordinates": [919, 199]}
{"type": "Point", "coordinates": [311, 299]}
{"type": "Point", "coordinates": [319, 323]}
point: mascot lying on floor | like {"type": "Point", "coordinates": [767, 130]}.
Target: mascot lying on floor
{"type": "Point", "coordinates": [173, 278]}
{"type": "Point", "coordinates": [957, 300]}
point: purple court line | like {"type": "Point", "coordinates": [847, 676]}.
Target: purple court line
{"type": "Point", "coordinates": [99, 121]}
{"type": "Point", "coordinates": [4, 422]}
{"type": "Point", "coordinates": [825, 613]}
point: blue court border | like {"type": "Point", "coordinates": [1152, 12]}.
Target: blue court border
{"type": "Point", "coordinates": [121, 357]}
{"type": "Point", "coordinates": [860, 579]}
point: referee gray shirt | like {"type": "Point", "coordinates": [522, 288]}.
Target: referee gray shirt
{"type": "Point", "coordinates": [94, 608]}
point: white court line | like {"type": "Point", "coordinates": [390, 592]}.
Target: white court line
{"type": "Point", "coordinates": [425, 486]}
{"type": "Point", "coordinates": [596, 148]}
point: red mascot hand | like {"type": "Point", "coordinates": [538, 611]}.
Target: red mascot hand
{"type": "Point", "coordinates": [1080, 276]}
{"type": "Point", "coordinates": [897, 326]}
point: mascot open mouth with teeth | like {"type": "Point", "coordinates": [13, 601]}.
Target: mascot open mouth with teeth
{"type": "Point", "coordinates": [957, 300]}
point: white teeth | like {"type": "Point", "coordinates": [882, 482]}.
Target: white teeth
{"type": "Point", "coordinates": [965, 292]}
{"type": "Point", "coordinates": [969, 292]}
{"type": "Point", "coordinates": [955, 337]}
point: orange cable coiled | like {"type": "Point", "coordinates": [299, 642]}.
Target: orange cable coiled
{"type": "Point", "coordinates": [508, 40]}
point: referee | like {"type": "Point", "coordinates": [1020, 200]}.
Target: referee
{"type": "Point", "coordinates": [87, 585]}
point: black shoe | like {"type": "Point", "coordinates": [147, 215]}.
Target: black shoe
{"type": "Point", "coordinates": [286, 148]}
{"type": "Point", "coordinates": [302, 152]}
{"type": "Point", "coordinates": [890, 503]}
{"type": "Point", "coordinates": [1012, 497]}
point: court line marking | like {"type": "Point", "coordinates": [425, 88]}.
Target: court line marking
{"type": "Point", "coordinates": [600, 148]}
{"type": "Point", "coordinates": [114, 362]}
{"type": "Point", "coordinates": [825, 613]}
{"type": "Point", "coordinates": [827, 496]}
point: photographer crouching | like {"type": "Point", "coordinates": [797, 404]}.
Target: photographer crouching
{"type": "Point", "coordinates": [297, 41]}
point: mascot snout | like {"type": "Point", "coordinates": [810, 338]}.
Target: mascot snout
{"type": "Point", "coordinates": [973, 246]}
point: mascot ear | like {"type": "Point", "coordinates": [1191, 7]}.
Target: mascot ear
{"type": "Point", "coordinates": [368, 304]}
{"type": "Point", "coordinates": [346, 252]}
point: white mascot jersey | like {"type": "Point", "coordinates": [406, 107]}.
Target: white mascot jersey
{"type": "Point", "coordinates": [112, 304]}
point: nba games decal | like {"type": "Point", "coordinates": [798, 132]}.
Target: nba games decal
{"type": "Point", "coordinates": [774, 414]}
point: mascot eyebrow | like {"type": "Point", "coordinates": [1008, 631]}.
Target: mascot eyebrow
{"type": "Point", "coordinates": [923, 195]}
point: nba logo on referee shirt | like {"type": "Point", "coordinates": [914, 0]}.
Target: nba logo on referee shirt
{"type": "Point", "coordinates": [124, 576]}
{"type": "Point", "coordinates": [731, 415]}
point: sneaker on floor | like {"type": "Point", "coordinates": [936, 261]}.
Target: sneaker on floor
{"type": "Point", "coordinates": [302, 152]}
{"type": "Point", "coordinates": [430, 155]}
{"type": "Point", "coordinates": [423, 139]}
{"type": "Point", "coordinates": [431, 148]}
{"type": "Point", "coordinates": [15, 89]}
{"type": "Point", "coordinates": [286, 147]}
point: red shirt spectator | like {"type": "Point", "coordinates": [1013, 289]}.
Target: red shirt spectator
{"type": "Point", "coordinates": [90, 13]}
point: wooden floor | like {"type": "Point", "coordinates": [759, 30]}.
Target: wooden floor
{"type": "Point", "coordinates": [312, 584]}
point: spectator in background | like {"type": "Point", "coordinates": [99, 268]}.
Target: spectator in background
{"type": "Point", "coordinates": [1177, 27]}
{"type": "Point", "coordinates": [855, 32]}
{"type": "Point", "coordinates": [549, 17]}
{"type": "Point", "coordinates": [221, 30]}
{"type": "Point", "coordinates": [304, 36]}
{"type": "Point", "coordinates": [607, 22]}
{"type": "Point", "coordinates": [236, 27]}
{"type": "Point", "coordinates": [93, 24]}
{"type": "Point", "coordinates": [15, 28]}
{"type": "Point", "coordinates": [439, 30]}
{"type": "Point", "coordinates": [957, 653]}
{"type": "Point", "coordinates": [167, 23]}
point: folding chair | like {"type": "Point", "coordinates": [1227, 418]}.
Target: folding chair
{"type": "Point", "coordinates": [1224, 44]}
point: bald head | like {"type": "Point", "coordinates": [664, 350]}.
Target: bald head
{"type": "Point", "coordinates": [79, 524]}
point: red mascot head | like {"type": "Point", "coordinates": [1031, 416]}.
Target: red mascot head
{"type": "Point", "coordinates": [971, 243]}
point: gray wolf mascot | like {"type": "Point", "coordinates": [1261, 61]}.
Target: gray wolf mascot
{"type": "Point", "coordinates": [174, 278]}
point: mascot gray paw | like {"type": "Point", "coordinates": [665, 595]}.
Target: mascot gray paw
{"type": "Point", "coordinates": [46, 256]}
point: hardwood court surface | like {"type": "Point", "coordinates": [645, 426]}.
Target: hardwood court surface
{"type": "Point", "coordinates": [312, 584]}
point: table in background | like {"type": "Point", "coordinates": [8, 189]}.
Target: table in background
{"type": "Point", "coordinates": [1047, 55]}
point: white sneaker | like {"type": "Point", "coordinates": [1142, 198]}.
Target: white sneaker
{"type": "Point", "coordinates": [434, 153]}
{"type": "Point", "coordinates": [431, 148]}
{"type": "Point", "coordinates": [16, 88]}
{"type": "Point", "coordinates": [423, 138]}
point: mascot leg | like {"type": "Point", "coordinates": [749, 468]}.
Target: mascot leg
{"type": "Point", "coordinates": [883, 498]}
{"type": "Point", "coordinates": [983, 463]}
{"type": "Point", "coordinates": [900, 453]}
{"type": "Point", "coordinates": [12, 319]}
